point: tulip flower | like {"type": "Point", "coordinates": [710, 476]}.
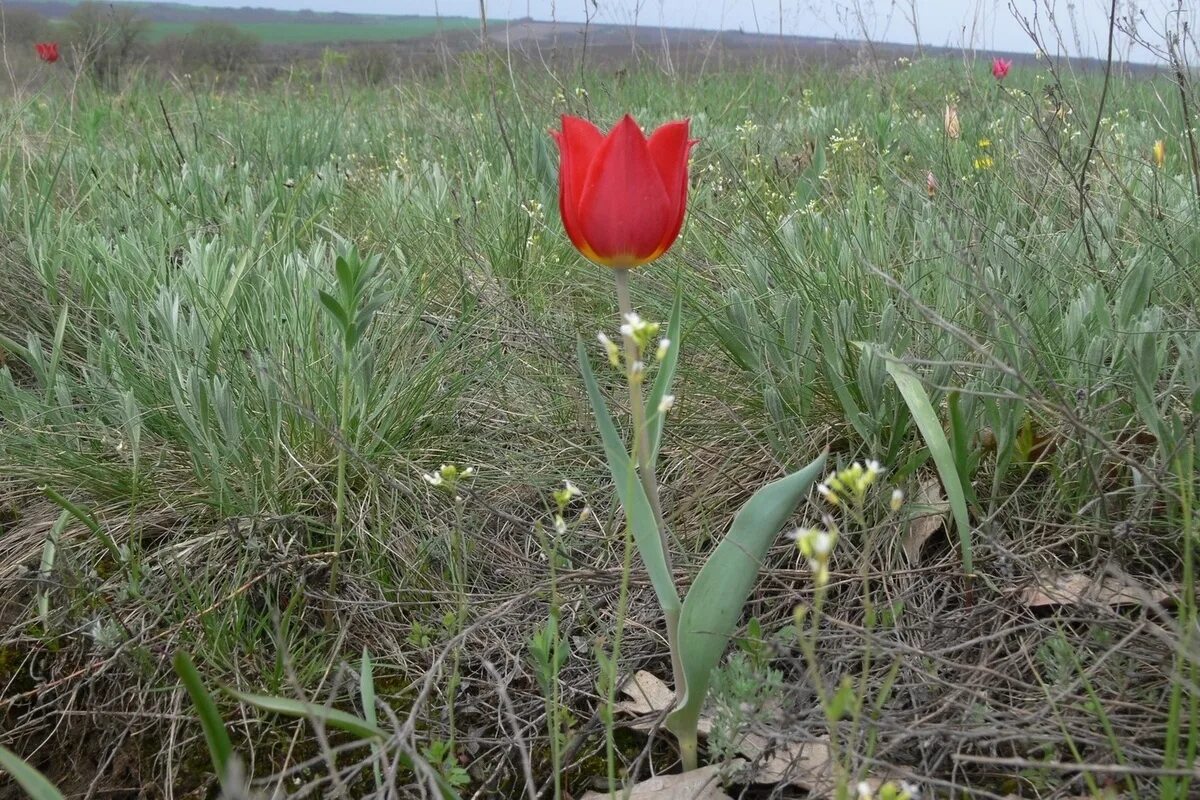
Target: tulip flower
{"type": "Point", "coordinates": [622, 196]}
{"type": "Point", "coordinates": [931, 184]}
{"type": "Point", "coordinates": [1000, 68]}
{"type": "Point", "coordinates": [1160, 153]}
{"type": "Point", "coordinates": [47, 51]}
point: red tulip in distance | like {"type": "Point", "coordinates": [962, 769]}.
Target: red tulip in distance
{"type": "Point", "coordinates": [47, 51]}
{"type": "Point", "coordinates": [1000, 68]}
{"type": "Point", "coordinates": [622, 196]}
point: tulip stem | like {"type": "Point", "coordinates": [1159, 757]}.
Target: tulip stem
{"type": "Point", "coordinates": [642, 454]}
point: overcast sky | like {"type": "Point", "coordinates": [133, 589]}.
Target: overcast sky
{"type": "Point", "coordinates": [985, 24]}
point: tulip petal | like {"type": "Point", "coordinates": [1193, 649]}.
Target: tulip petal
{"type": "Point", "coordinates": [577, 145]}
{"type": "Point", "coordinates": [670, 147]}
{"type": "Point", "coordinates": [625, 210]}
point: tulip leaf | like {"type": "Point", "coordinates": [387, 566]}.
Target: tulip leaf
{"type": "Point", "coordinates": [665, 377]}
{"type": "Point", "coordinates": [220, 748]}
{"type": "Point", "coordinates": [714, 602]}
{"type": "Point", "coordinates": [33, 782]}
{"type": "Point", "coordinates": [935, 439]}
{"type": "Point", "coordinates": [629, 489]}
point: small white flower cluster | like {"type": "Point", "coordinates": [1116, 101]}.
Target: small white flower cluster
{"type": "Point", "coordinates": [447, 478]}
{"type": "Point", "coordinates": [642, 334]}
{"type": "Point", "coordinates": [816, 545]}
{"type": "Point", "coordinates": [746, 129]}
{"type": "Point", "coordinates": [853, 139]}
{"type": "Point", "coordinates": [851, 483]}
{"type": "Point", "coordinates": [610, 348]}
{"type": "Point", "coordinates": [563, 498]}
{"type": "Point", "coordinates": [638, 329]}
{"type": "Point", "coordinates": [534, 209]}
{"type": "Point", "coordinates": [891, 790]}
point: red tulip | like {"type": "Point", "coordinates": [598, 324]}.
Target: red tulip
{"type": "Point", "coordinates": [47, 51]}
{"type": "Point", "coordinates": [622, 196]}
{"type": "Point", "coordinates": [1000, 67]}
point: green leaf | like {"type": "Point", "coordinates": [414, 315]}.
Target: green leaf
{"type": "Point", "coordinates": [33, 782]}
{"type": "Point", "coordinates": [1134, 295]}
{"type": "Point", "coordinates": [665, 376]}
{"type": "Point", "coordinates": [356, 726]}
{"type": "Point", "coordinates": [960, 444]}
{"type": "Point", "coordinates": [220, 748]}
{"type": "Point", "coordinates": [715, 601]}
{"type": "Point", "coordinates": [366, 691]}
{"type": "Point", "coordinates": [88, 520]}
{"type": "Point", "coordinates": [335, 308]}
{"type": "Point", "coordinates": [844, 702]}
{"type": "Point", "coordinates": [49, 554]}
{"type": "Point", "coordinates": [834, 364]}
{"type": "Point", "coordinates": [347, 276]}
{"type": "Point", "coordinates": [630, 492]}
{"type": "Point", "coordinates": [935, 439]}
{"type": "Point", "coordinates": [332, 717]}
{"type": "Point", "coordinates": [366, 688]}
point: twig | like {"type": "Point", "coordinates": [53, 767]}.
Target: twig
{"type": "Point", "coordinates": [1063, 766]}
{"type": "Point", "coordinates": [171, 130]}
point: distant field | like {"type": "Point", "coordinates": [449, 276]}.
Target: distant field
{"type": "Point", "coordinates": [370, 30]}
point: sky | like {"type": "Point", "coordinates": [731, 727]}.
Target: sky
{"type": "Point", "coordinates": [984, 24]}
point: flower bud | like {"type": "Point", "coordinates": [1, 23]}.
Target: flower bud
{"type": "Point", "coordinates": [611, 349]}
{"type": "Point", "coordinates": [953, 129]}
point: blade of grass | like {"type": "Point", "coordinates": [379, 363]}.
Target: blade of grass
{"type": "Point", "coordinates": [35, 784]}
{"type": "Point", "coordinates": [220, 748]}
{"type": "Point", "coordinates": [917, 399]}
{"type": "Point", "coordinates": [87, 519]}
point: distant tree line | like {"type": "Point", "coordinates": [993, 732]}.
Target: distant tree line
{"type": "Point", "coordinates": [215, 46]}
{"type": "Point", "coordinates": [106, 41]}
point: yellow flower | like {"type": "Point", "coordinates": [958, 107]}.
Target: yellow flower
{"type": "Point", "coordinates": [985, 143]}
{"type": "Point", "coordinates": [984, 162]}
{"type": "Point", "coordinates": [1160, 153]}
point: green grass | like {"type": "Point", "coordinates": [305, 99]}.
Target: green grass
{"type": "Point", "coordinates": [173, 386]}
